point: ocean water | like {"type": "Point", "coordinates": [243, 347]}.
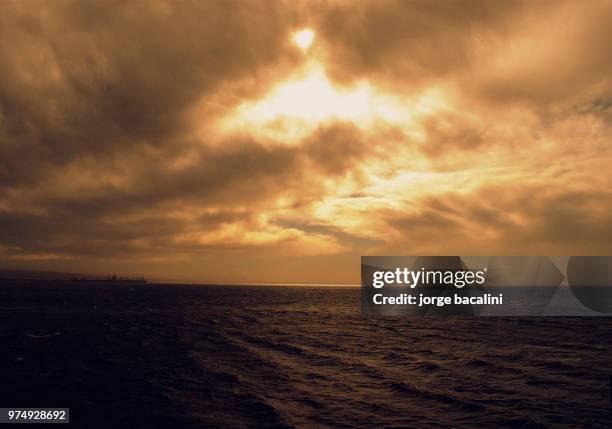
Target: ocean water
{"type": "Point", "coordinates": [177, 356]}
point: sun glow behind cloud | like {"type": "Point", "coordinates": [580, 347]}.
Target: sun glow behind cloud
{"type": "Point", "coordinates": [304, 38]}
{"type": "Point", "coordinates": [297, 106]}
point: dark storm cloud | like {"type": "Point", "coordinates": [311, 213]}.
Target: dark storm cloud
{"type": "Point", "coordinates": [237, 173]}
{"type": "Point", "coordinates": [240, 168]}
{"type": "Point", "coordinates": [89, 77]}
{"type": "Point", "coordinates": [447, 133]}
{"type": "Point", "coordinates": [78, 234]}
{"type": "Point", "coordinates": [336, 149]}
{"type": "Point", "coordinates": [502, 51]}
{"type": "Point", "coordinates": [238, 176]}
{"type": "Point", "coordinates": [519, 219]}
{"type": "Point", "coordinates": [410, 41]}
{"type": "Point", "coordinates": [353, 240]}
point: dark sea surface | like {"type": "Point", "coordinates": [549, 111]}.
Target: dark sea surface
{"type": "Point", "coordinates": [176, 356]}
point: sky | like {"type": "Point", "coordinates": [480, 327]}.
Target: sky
{"type": "Point", "coordinates": [277, 141]}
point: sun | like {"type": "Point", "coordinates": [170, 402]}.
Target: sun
{"type": "Point", "coordinates": [303, 38]}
